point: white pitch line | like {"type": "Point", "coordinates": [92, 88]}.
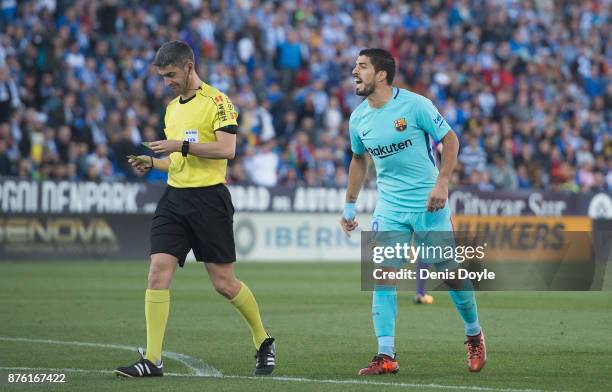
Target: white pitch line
{"type": "Point", "coordinates": [202, 369]}
{"type": "Point", "coordinates": [197, 366]}
{"type": "Point", "coordinates": [292, 379]}
{"type": "Point", "coordinates": [73, 370]}
{"type": "Point", "coordinates": [388, 384]}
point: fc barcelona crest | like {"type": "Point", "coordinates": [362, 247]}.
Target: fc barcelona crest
{"type": "Point", "coordinates": [400, 124]}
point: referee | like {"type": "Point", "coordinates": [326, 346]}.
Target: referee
{"type": "Point", "coordinates": [196, 211]}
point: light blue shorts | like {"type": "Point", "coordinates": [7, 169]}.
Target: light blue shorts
{"type": "Point", "coordinates": [417, 228]}
{"type": "Point", "coordinates": [411, 222]}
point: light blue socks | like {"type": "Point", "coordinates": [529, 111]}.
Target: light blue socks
{"type": "Point", "coordinates": [465, 302]}
{"type": "Point", "coordinates": [384, 312]}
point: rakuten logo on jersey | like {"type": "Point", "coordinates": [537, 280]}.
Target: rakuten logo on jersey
{"type": "Point", "coordinates": [390, 149]}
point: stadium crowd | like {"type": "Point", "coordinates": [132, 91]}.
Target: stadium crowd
{"type": "Point", "coordinates": [525, 84]}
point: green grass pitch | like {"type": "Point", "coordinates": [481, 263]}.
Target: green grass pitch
{"type": "Point", "coordinates": [537, 341]}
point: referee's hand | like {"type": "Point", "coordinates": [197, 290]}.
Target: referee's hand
{"type": "Point", "coordinates": [141, 163]}
{"type": "Point", "coordinates": [166, 146]}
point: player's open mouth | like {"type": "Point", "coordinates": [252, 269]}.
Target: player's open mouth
{"type": "Point", "coordinates": [357, 81]}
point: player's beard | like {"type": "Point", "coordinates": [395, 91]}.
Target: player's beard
{"type": "Point", "coordinates": [367, 89]}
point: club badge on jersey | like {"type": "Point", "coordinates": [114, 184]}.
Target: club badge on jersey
{"type": "Point", "coordinates": [400, 124]}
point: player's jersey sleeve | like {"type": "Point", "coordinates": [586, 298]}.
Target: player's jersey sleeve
{"type": "Point", "coordinates": [430, 120]}
{"type": "Point", "coordinates": [223, 114]}
{"type": "Point", "coordinates": [356, 143]}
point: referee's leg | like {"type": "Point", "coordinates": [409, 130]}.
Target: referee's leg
{"type": "Point", "coordinates": [240, 296]}
{"type": "Point", "coordinates": [157, 307]}
{"type": "Point", "coordinates": [157, 302]}
{"type": "Point", "coordinates": [161, 271]}
{"type": "Point", "coordinates": [223, 279]}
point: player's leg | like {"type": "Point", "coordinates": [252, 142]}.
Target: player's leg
{"type": "Point", "coordinates": [435, 229]}
{"type": "Point", "coordinates": [384, 315]}
{"type": "Point", "coordinates": [435, 225]}
{"type": "Point", "coordinates": [464, 299]}
{"type": "Point", "coordinates": [384, 308]}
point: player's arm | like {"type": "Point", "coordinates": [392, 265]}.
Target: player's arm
{"type": "Point", "coordinates": [439, 193]}
{"type": "Point", "coordinates": [358, 170]}
{"type": "Point", "coordinates": [432, 122]}
{"type": "Point", "coordinates": [450, 150]}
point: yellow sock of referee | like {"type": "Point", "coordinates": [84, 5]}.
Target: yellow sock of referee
{"type": "Point", "coordinates": [157, 307]}
{"type": "Point", "coordinates": [245, 304]}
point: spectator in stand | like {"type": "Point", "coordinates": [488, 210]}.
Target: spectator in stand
{"type": "Point", "coordinates": [9, 94]}
{"type": "Point", "coordinates": [522, 176]}
{"type": "Point", "coordinates": [289, 59]}
{"type": "Point", "coordinates": [5, 162]}
{"type": "Point", "coordinates": [473, 156]}
{"type": "Point", "coordinates": [262, 165]}
{"type": "Point", "coordinates": [502, 175]}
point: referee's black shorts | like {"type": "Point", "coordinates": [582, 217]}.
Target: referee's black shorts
{"type": "Point", "coordinates": [195, 218]}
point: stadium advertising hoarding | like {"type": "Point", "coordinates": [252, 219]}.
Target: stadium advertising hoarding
{"type": "Point", "coordinates": [303, 237]}
{"type": "Point", "coordinates": [259, 236]}
{"type": "Point", "coordinates": [76, 220]}
{"type": "Point", "coordinates": [50, 197]}
{"type": "Point", "coordinates": [318, 237]}
{"type": "Point", "coordinates": [74, 237]}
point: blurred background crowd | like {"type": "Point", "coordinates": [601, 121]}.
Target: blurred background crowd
{"type": "Point", "coordinates": [524, 84]}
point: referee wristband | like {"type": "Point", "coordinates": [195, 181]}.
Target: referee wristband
{"type": "Point", "coordinates": [349, 211]}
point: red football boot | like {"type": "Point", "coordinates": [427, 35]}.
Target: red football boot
{"type": "Point", "coordinates": [381, 364]}
{"type": "Point", "coordinates": [476, 352]}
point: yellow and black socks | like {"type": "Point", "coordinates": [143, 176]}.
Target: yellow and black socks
{"type": "Point", "coordinates": [245, 304]}
{"type": "Point", "coordinates": [157, 307]}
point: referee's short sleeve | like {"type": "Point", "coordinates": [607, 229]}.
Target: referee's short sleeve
{"type": "Point", "coordinates": [226, 115]}
{"type": "Point", "coordinates": [356, 143]}
{"type": "Point", "coordinates": [233, 129]}
{"type": "Point", "coordinates": [430, 120]}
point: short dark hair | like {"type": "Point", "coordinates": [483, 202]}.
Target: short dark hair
{"type": "Point", "coordinates": [176, 53]}
{"type": "Point", "coordinates": [382, 61]}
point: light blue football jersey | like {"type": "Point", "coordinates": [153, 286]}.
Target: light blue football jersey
{"type": "Point", "coordinates": [397, 136]}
